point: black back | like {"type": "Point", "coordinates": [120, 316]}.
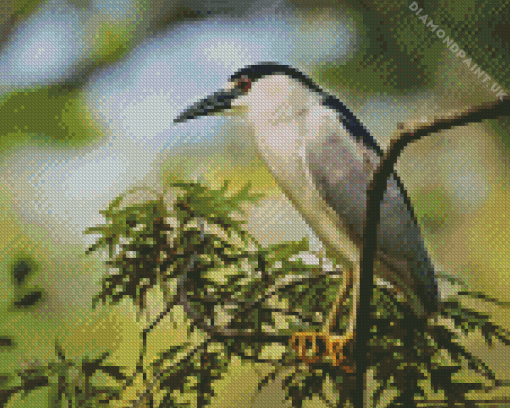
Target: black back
{"type": "Point", "coordinates": [348, 119]}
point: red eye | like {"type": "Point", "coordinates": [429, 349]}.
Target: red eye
{"type": "Point", "coordinates": [244, 83]}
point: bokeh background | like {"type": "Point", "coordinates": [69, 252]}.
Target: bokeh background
{"type": "Point", "coordinates": [88, 92]}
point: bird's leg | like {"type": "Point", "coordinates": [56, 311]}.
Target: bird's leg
{"type": "Point", "coordinates": [341, 297]}
{"type": "Point", "coordinates": [336, 344]}
{"type": "Point", "coordinates": [324, 344]}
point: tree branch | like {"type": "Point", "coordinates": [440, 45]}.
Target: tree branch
{"type": "Point", "coordinates": [375, 194]}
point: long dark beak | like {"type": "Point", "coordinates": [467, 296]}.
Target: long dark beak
{"type": "Point", "coordinates": [216, 102]}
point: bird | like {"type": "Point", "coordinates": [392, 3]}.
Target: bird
{"type": "Point", "coordinates": [323, 158]}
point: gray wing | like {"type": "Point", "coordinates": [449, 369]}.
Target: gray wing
{"type": "Point", "coordinates": [341, 169]}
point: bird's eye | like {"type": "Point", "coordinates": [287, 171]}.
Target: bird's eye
{"type": "Point", "coordinates": [244, 83]}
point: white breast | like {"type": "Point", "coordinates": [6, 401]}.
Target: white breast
{"type": "Point", "coordinates": [283, 125]}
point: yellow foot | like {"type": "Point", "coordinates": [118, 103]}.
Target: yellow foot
{"type": "Point", "coordinates": [336, 351]}
{"type": "Point", "coordinates": [311, 346]}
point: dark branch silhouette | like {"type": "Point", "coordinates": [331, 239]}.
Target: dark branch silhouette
{"type": "Point", "coordinates": [375, 195]}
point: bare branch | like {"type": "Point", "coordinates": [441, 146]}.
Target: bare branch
{"type": "Point", "coordinates": [375, 194]}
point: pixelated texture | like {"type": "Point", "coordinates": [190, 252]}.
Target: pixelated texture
{"type": "Point", "coordinates": [188, 312]}
{"type": "Point", "coordinates": [399, 52]}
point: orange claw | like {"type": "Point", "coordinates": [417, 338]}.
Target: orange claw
{"type": "Point", "coordinates": [324, 344]}
{"type": "Point", "coordinates": [336, 349]}
{"type": "Point", "coordinates": [321, 344]}
{"type": "Point", "coordinates": [300, 341]}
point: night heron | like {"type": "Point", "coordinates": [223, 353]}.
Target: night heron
{"type": "Point", "coordinates": [323, 159]}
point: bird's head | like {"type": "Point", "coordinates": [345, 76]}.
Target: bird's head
{"type": "Point", "coordinates": [277, 104]}
{"type": "Point", "coordinates": [267, 90]}
{"type": "Point", "coordinates": [285, 115]}
{"type": "Point", "coordinates": [277, 98]}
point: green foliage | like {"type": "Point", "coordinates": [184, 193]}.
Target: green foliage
{"type": "Point", "coordinates": [433, 209]}
{"type": "Point", "coordinates": [397, 53]}
{"type": "Point", "coordinates": [71, 383]}
{"type": "Point", "coordinates": [111, 43]}
{"type": "Point", "coordinates": [502, 128]}
{"type": "Point", "coordinates": [140, 231]}
{"type": "Point", "coordinates": [26, 295]}
{"type": "Point", "coordinates": [18, 9]}
{"type": "Point", "coordinates": [244, 298]}
{"type": "Point", "coordinates": [51, 116]}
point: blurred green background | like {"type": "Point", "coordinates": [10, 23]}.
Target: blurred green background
{"type": "Point", "coordinates": [88, 91]}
